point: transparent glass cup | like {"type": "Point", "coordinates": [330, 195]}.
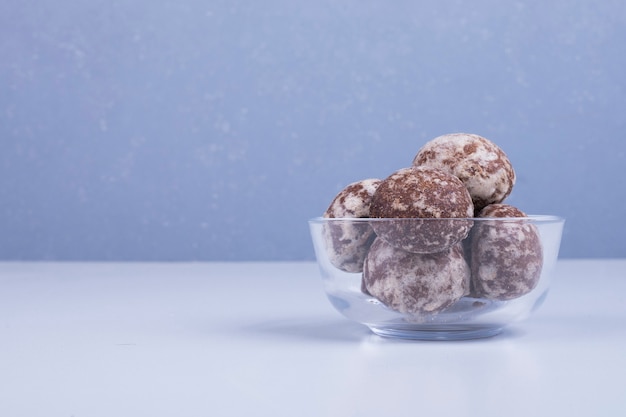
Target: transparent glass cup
{"type": "Point", "coordinates": [506, 266]}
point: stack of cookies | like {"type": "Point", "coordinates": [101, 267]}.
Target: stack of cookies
{"type": "Point", "coordinates": [427, 240]}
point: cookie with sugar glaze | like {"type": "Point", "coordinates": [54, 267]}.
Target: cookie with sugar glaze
{"type": "Point", "coordinates": [429, 207]}
{"type": "Point", "coordinates": [506, 255]}
{"type": "Point", "coordinates": [480, 164]}
{"type": "Point", "coordinates": [349, 241]}
{"type": "Point", "coordinates": [414, 283]}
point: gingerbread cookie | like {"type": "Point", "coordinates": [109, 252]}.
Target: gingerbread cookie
{"type": "Point", "coordinates": [349, 241]}
{"type": "Point", "coordinates": [414, 196]}
{"type": "Point", "coordinates": [415, 283]}
{"type": "Point", "coordinates": [479, 163]}
{"type": "Point", "coordinates": [506, 256]}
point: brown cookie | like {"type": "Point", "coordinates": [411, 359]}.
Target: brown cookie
{"type": "Point", "coordinates": [417, 196]}
{"type": "Point", "coordinates": [354, 200]}
{"type": "Point", "coordinates": [415, 283]}
{"type": "Point", "coordinates": [479, 163]}
{"type": "Point", "coordinates": [506, 255]}
{"type": "Point", "coordinates": [348, 241]}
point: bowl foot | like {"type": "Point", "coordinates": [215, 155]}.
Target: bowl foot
{"type": "Point", "coordinates": [436, 333]}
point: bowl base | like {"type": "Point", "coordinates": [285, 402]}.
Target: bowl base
{"type": "Point", "coordinates": [437, 333]}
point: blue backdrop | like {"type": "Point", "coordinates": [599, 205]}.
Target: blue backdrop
{"type": "Point", "coordinates": [213, 130]}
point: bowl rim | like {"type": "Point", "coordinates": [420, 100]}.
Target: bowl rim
{"type": "Point", "coordinates": [532, 218]}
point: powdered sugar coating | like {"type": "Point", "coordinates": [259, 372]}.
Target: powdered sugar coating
{"type": "Point", "coordinates": [506, 256]}
{"type": "Point", "coordinates": [413, 283]}
{"type": "Point", "coordinates": [415, 193]}
{"type": "Point", "coordinates": [348, 242]}
{"type": "Point", "coordinates": [354, 200]}
{"type": "Point", "coordinates": [479, 163]}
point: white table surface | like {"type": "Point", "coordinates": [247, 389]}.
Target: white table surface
{"type": "Point", "coordinates": [260, 339]}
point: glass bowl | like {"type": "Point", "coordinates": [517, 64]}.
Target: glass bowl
{"type": "Point", "coordinates": [436, 279]}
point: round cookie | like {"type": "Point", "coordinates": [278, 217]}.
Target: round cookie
{"type": "Point", "coordinates": [506, 256]}
{"type": "Point", "coordinates": [418, 198]}
{"type": "Point", "coordinates": [414, 283]}
{"type": "Point", "coordinates": [501, 211]}
{"type": "Point", "coordinates": [348, 241]}
{"type": "Point", "coordinates": [479, 163]}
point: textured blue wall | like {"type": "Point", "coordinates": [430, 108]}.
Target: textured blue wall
{"type": "Point", "coordinates": [212, 130]}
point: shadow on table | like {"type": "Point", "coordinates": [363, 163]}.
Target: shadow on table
{"type": "Point", "coordinates": [311, 330]}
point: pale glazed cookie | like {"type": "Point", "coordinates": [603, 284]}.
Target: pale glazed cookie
{"type": "Point", "coordinates": [348, 241]}
{"type": "Point", "coordinates": [415, 283]}
{"type": "Point", "coordinates": [506, 257]}
{"type": "Point", "coordinates": [413, 196]}
{"type": "Point", "coordinates": [479, 163]}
